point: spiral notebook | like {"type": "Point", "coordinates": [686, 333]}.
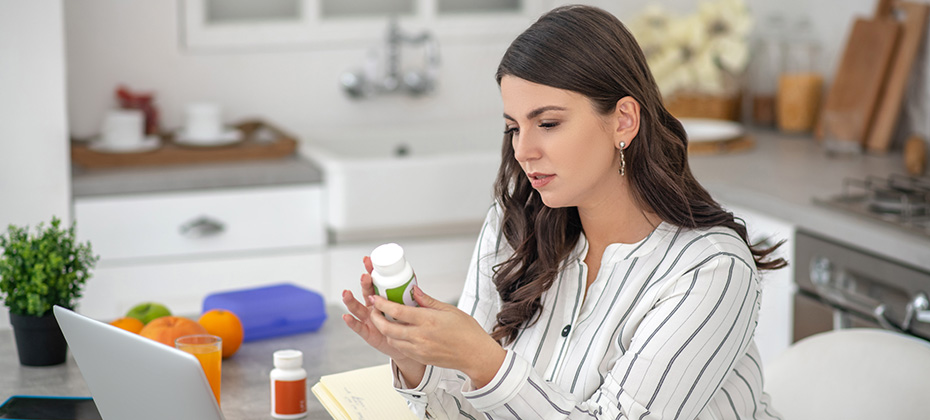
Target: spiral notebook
{"type": "Point", "coordinates": [362, 394]}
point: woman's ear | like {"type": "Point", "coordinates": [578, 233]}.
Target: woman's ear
{"type": "Point", "coordinates": [626, 116]}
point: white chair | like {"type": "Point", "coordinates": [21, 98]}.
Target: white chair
{"type": "Point", "coordinates": [852, 374]}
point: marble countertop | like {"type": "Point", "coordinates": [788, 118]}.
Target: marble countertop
{"type": "Point", "coordinates": [782, 175]}
{"type": "Point", "coordinates": [245, 392]}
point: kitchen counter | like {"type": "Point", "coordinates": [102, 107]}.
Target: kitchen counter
{"type": "Point", "coordinates": [245, 388]}
{"type": "Point", "coordinates": [782, 175]}
{"type": "Point", "coordinates": [155, 179]}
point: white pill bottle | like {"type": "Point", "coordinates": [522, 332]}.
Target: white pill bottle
{"type": "Point", "coordinates": [392, 276]}
{"type": "Point", "coordinates": [288, 385]}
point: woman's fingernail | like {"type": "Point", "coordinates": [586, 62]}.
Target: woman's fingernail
{"type": "Point", "coordinates": [371, 299]}
{"type": "Point", "coordinates": [417, 291]}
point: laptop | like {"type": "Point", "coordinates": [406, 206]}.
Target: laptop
{"type": "Point", "coordinates": [133, 377]}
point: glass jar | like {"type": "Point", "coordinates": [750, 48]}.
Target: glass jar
{"type": "Point", "coordinates": [800, 84]}
{"type": "Point", "coordinates": [764, 69]}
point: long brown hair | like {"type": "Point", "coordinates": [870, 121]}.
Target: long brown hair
{"type": "Point", "coordinates": [587, 50]}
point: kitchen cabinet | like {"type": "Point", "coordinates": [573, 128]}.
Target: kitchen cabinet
{"type": "Point", "coordinates": [177, 247]}
{"type": "Point", "coordinates": [774, 328]}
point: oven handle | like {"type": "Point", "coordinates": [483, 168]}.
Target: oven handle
{"type": "Point", "coordinates": [917, 309]}
{"type": "Point", "coordinates": [822, 278]}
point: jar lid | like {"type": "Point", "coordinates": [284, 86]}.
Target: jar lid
{"type": "Point", "coordinates": [288, 359]}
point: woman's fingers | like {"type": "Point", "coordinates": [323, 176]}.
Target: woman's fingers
{"type": "Point", "coordinates": [355, 307]}
{"type": "Point", "coordinates": [400, 313]}
{"type": "Point", "coordinates": [368, 265]}
{"type": "Point", "coordinates": [368, 288]}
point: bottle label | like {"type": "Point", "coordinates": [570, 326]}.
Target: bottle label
{"type": "Point", "coordinates": [290, 397]}
{"type": "Point", "coordinates": [402, 294]}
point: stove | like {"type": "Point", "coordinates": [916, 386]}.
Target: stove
{"type": "Point", "coordinates": [840, 286]}
{"type": "Point", "coordinates": [899, 200]}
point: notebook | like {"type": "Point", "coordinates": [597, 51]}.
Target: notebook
{"type": "Point", "coordinates": [133, 377]}
{"type": "Point", "coordinates": [362, 394]}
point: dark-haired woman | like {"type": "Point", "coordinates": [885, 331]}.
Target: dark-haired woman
{"type": "Point", "coordinates": [606, 282]}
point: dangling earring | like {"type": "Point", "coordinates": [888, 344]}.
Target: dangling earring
{"type": "Point", "coordinates": [622, 160]}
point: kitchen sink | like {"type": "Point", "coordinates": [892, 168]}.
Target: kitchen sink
{"type": "Point", "coordinates": [406, 180]}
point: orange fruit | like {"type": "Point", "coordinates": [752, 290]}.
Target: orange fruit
{"type": "Point", "coordinates": [168, 328]}
{"type": "Point", "coordinates": [132, 325]}
{"type": "Point", "coordinates": [226, 325]}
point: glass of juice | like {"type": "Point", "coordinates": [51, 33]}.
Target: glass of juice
{"type": "Point", "coordinates": [209, 351]}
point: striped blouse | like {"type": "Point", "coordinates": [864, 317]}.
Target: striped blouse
{"type": "Point", "coordinates": [664, 332]}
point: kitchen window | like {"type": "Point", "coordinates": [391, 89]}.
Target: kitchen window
{"type": "Point", "coordinates": [210, 25]}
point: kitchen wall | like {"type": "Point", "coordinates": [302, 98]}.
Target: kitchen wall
{"type": "Point", "coordinates": [34, 164]}
{"type": "Point", "coordinates": [137, 43]}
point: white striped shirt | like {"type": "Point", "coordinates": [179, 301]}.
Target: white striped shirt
{"type": "Point", "coordinates": [664, 332]}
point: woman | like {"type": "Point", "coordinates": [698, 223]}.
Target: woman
{"type": "Point", "coordinates": [606, 282]}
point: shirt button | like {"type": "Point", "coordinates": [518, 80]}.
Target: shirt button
{"type": "Point", "coordinates": [566, 330]}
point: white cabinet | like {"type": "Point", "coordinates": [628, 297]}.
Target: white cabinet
{"type": "Point", "coordinates": [177, 248]}
{"type": "Point", "coordinates": [773, 331]}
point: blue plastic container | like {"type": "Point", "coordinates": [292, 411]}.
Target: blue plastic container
{"type": "Point", "coordinates": [271, 311]}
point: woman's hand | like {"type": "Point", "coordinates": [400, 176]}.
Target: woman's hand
{"type": "Point", "coordinates": [360, 319]}
{"type": "Point", "coordinates": [438, 334]}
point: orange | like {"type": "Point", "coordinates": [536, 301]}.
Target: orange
{"type": "Point", "coordinates": [168, 328]}
{"type": "Point", "coordinates": [226, 325]}
{"type": "Point", "coordinates": [132, 325]}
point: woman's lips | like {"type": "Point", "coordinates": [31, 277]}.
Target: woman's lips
{"type": "Point", "coordinates": [538, 180]}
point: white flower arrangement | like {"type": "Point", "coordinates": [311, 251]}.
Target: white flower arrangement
{"type": "Point", "coordinates": [700, 52]}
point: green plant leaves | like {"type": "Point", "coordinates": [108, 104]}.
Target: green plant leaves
{"type": "Point", "coordinates": [42, 270]}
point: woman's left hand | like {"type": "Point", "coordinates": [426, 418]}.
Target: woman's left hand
{"type": "Point", "coordinates": [441, 335]}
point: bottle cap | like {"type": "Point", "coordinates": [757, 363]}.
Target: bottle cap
{"type": "Point", "coordinates": [388, 259]}
{"type": "Point", "coordinates": [288, 359]}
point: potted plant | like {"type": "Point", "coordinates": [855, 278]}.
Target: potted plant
{"type": "Point", "coordinates": [38, 272]}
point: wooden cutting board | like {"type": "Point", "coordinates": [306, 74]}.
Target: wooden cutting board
{"type": "Point", "coordinates": [914, 18]}
{"type": "Point", "coordinates": [857, 86]}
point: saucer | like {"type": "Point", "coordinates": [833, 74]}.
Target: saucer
{"type": "Point", "coordinates": [228, 137]}
{"type": "Point", "coordinates": [148, 144]}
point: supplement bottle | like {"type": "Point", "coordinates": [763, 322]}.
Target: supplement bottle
{"type": "Point", "coordinates": [392, 276]}
{"type": "Point", "coordinates": [288, 385]}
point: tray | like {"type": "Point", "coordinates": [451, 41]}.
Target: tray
{"type": "Point", "coordinates": [170, 153]}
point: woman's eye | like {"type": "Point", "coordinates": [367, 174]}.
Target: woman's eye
{"type": "Point", "coordinates": [511, 130]}
{"type": "Point", "coordinates": [548, 125]}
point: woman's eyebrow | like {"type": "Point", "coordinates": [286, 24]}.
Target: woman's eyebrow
{"type": "Point", "coordinates": [535, 113]}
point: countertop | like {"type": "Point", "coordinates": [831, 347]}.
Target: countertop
{"type": "Point", "coordinates": [245, 390]}
{"type": "Point", "coordinates": [781, 176]}
{"type": "Point", "coordinates": [157, 179]}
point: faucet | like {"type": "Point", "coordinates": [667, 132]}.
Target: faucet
{"type": "Point", "coordinates": [367, 82]}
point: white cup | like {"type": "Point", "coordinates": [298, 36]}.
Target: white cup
{"type": "Point", "coordinates": [123, 129]}
{"type": "Point", "coordinates": [202, 122]}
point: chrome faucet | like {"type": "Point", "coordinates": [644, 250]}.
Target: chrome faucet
{"type": "Point", "coordinates": [370, 81]}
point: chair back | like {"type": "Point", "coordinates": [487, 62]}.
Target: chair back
{"type": "Point", "coordinates": [852, 374]}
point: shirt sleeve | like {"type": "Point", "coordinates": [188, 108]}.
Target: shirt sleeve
{"type": "Point", "coordinates": [681, 353]}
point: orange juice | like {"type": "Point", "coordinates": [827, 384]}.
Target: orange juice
{"type": "Point", "coordinates": [208, 349]}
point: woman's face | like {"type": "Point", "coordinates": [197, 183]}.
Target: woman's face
{"type": "Point", "coordinates": [565, 147]}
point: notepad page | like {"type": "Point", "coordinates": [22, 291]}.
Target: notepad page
{"type": "Point", "coordinates": [329, 402]}
{"type": "Point", "coordinates": [367, 394]}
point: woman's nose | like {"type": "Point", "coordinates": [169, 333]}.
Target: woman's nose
{"type": "Point", "coordinates": [524, 148]}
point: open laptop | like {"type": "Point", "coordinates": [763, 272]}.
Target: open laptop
{"type": "Point", "coordinates": [133, 377]}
